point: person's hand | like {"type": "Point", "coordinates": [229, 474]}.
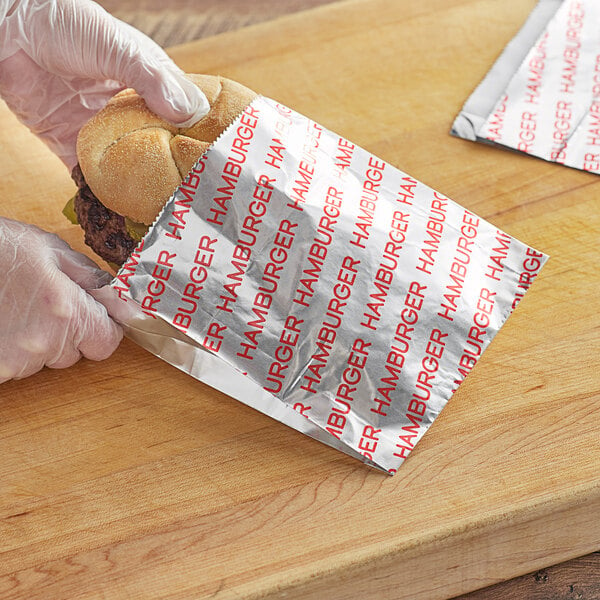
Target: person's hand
{"type": "Point", "coordinates": [47, 318]}
{"type": "Point", "coordinates": [61, 61]}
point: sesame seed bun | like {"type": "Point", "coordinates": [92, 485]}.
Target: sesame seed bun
{"type": "Point", "coordinates": [132, 160]}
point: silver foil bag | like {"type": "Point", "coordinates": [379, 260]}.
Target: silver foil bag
{"type": "Point", "coordinates": [542, 96]}
{"type": "Point", "coordinates": [307, 278]}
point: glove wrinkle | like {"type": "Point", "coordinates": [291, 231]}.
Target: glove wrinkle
{"type": "Point", "coordinates": [62, 60]}
{"type": "Point", "coordinates": [47, 317]}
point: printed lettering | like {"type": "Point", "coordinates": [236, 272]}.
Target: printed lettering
{"type": "Point", "coordinates": [433, 230]}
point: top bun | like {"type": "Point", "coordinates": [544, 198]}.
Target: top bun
{"type": "Point", "coordinates": [133, 160]}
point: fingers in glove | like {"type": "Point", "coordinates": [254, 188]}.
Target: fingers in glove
{"type": "Point", "coordinates": [81, 269]}
{"type": "Point", "coordinates": [95, 334]}
{"type": "Point", "coordinates": [137, 61]}
{"type": "Point", "coordinates": [89, 42]}
{"type": "Point", "coordinates": [46, 317]}
{"type": "Point", "coordinates": [70, 330]}
{"type": "Point", "coordinates": [88, 327]}
{"type": "Point", "coordinates": [67, 358]}
{"type": "Point", "coordinates": [36, 350]}
{"type": "Point", "coordinates": [57, 115]}
{"type": "Point", "coordinates": [145, 67]}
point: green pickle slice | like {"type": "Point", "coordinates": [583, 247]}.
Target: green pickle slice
{"type": "Point", "coordinates": [136, 230]}
{"type": "Point", "coordinates": [69, 211]}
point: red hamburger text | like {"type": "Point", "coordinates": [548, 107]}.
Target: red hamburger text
{"type": "Point", "coordinates": [288, 339]}
{"type": "Point", "coordinates": [496, 123]}
{"type": "Point", "coordinates": [343, 158]}
{"type": "Point", "coordinates": [192, 291]}
{"type": "Point", "coordinates": [537, 64]}
{"type": "Point", "coordinates": [530, 268]}
{"type": "Point", "coordinates": [306, 168]}
{"type": "Point", "coordinates": [562, 126]}
{"type": "Point", "coordinates": [478, 336]}
{"type": "Point", "coordinates": [369, 440]}
{"type": "Point", "coordinates": [430, 364]}
{"type": "Point", "coordinates": [127, 271]}
{"type": "Point", "coordinates": [327, 333]}
{"type": "Point", "coordinates": [593, 133]}
{"type": "Point", "coordinates": [571, 52]}
{"type": "Point", "coordinates": [384, 276]}
{"type": "Point", "coordinates": [317, 253]}
{"type": "Point", "coordinates": [394, 362]}
{"type": "Point", "coordinates": [263, 299]}
{"type": "Point", "coordinates": [242, 251]}
{"type": "Point", "coordinates": [346, 390]}
{"type": "Point", "coordinates": [527, 131]}
{"type": "Point", "coordinates": [459, 266]}
{"type": "Point", "coordinates": [406, 194]}
{"type": "Point", "coordinates": [368, 202]}
{"type": "Point", "coordinates": [233, 166]}
{"type": "Point", "coordinates": [181, 205]}
{"type": "Point", "coordinates": [434, 230]}
{"type": "Point", "coordinates": [495, 266]}
{"type": "Point", "coordinates": [275, 153]}
{"type": "Point", "coordinates": [161, 273]}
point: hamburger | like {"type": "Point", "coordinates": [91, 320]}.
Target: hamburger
{"type": "Point", "coordinates": [130, 161]}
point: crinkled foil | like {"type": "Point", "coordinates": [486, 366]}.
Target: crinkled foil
{"type": "Point", "coordinates": [542, 97]}
{"type": "Point", "coordinates": [313, 281]}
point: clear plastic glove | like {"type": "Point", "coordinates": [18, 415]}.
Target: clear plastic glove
{"type": "Point", "coordinates": [61, 60]}
{"type": "Point", "coordinates": [46, 315]}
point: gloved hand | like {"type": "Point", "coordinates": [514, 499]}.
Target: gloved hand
{"type": "Point", "coordinates": [46, 315]}
{"type": "Point", "coordinates": [61, 60]}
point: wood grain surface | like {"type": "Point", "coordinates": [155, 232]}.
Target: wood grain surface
{"type": "Point", "coordinates": [127, 479]}
{"type": "Point", "coordinates": [179, 21]}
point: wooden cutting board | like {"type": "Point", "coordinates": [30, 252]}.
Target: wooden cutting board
{"type": "Point", "coordinates": [129, 479]}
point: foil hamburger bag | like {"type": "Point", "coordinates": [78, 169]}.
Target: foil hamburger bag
{"type": "Point", "coordinates": [542, 95]}
{"type": "Point", "coordinates": [313, 281]}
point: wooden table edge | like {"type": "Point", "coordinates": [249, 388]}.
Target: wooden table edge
{"type": "Point", "coordinates": [387, 571]}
